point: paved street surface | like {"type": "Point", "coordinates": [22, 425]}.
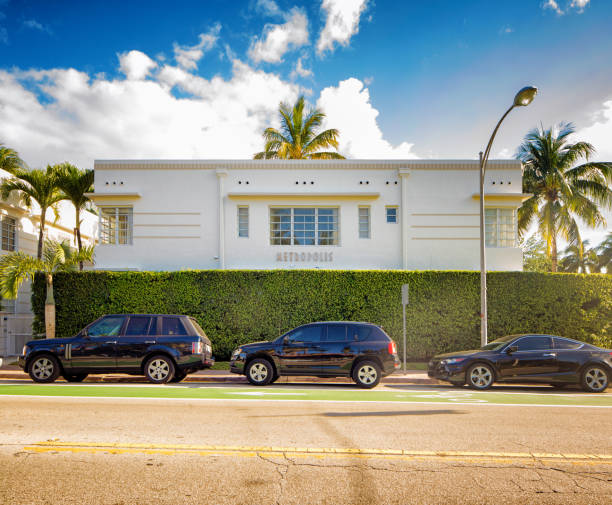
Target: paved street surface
{"type": "Point", "coordinates": [302, 444]}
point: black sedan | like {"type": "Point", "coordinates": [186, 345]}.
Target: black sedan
{"type": "Point", "coordinates": [538, 359]}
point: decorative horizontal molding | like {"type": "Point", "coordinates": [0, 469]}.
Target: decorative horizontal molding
{"type": "Point", "coordinates": [166, 225]}
{"type": "Point", "coordinates": [446, 226]}
{"type": "Point", "coordinates": [107, 198]}
{"type": "Point", "coordinates": [166, 237]}
{"type": "Point", "coordinates": [60, 227]}
{"type": "Point", "coordinates": [445, 238]}
{"type": "Point", "coordinates": [302, 196]}
{"type": "Point", "coordinates": [12, 208]}
{"type": "Point", "coordinates": [166, 213]}
{"type": "Point", "coordinates": [446, 214]}
{"type": "Point", "coordinates": [504, 197]}
{"type": "Point", "coordinates": [403, 165]}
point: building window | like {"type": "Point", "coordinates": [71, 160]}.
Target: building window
{"type": "Point", "coordinates": [500, 227]}
{"type": "Point", "coordinates": [304, 226]}
{"type": "Point", "coordinates": [243, 221]}
{"type": "Point", "coordinates": [364, 222]}
{"type": "Point", "coordinates": [391, 214]}
{"type": "Point", "coordinates": [9, 230]}
{"type": "Point", "coordinates": [116, 225]}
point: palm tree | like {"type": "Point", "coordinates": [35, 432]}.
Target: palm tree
{"type": "Point", "coordinates": [10, 160]}
{"type": "Point", "coordinates": [18, 266]}
{"type": "Point", "coordinates": [38, 185]}
{"type": "Point", "coordinates": [298, 138]}
{"type": "Point", "coordinates": [604, 254]}
{"type": "Point", "coordinates": [561, 191]}
{"type": "Point", "coordinates": [579, 258]}
{"type": "Point", "coordinates": [74, 183]}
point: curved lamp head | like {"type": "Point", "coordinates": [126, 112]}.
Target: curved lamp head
{"type": "Point", "coordinates": [525, 96]}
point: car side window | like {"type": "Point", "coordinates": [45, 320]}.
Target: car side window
{"type": "Point", "coordinates": [173, 326]}
{"type": "Point", "coordinates": [563, 343]}
{"type": "Point", "coordinates": [108, 326]}
{"type": "Point", "coordinates": [359, 332]}
{"type": "Point", "coordinates": [137, 325]}
{"type": "Point", "coordinates": [535, 343]}
{"type": "Point", "coordinates": [336, 333]}
{"type": "Point", "coordinates": [306, 334]}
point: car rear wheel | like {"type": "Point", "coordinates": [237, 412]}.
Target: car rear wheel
{"type": "Point", "coordinates": [44, 369]}
{"type": "Point", "coordinates": [178, 376]}
{"type": "Point", "coordinates": [595, 379]}
{"type": "Point", "coordinates": [480, 376]}
{"type": "Point", "coordinates": [260, 372]}
{"type": "Point", "coordinates": [366, 374]}
{"type": "Point", "coordinates": [77, 377]}
{"type": "Point", "coordinates": [159, 369]}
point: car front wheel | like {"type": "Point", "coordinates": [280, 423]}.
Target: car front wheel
{"type": "Point", "coordinates": [159, 369]}
{"type": "Point", "coordinates": [77, 377]}
{"type": "Point", "coordinates": [44, 369]}
{"type": "Point", "coordinates": [480, 376]}
{"type": "Point", "coordinates": [260, 372]}
{"type": "Point", "coordinates": [366, 374]}
{"type": "Point", "coordinates": [178, 376]}
{"type": "Point", "coordinates": [595, 379]}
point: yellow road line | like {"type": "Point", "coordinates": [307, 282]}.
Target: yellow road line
{"type": "Point", "coordinates": [320, 452]}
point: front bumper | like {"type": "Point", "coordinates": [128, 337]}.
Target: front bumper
{"type": "Point", "coordinates": [237, 363]}
{"type": "Point", "coordinates": [452, 373]}
{"type": "Point", "coordinates": [21, 362]}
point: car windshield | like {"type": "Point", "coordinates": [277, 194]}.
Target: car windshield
{"type": "Point", "coordinates": [498, 344]}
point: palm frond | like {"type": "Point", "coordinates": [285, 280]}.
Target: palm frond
{"type": "Point", "coordinates": [15, 268]}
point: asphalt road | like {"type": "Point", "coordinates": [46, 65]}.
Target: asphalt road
{"type": "Point", "coordinates": [128, 450]}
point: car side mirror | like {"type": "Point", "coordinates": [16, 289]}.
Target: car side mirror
{"type": "Point", "coordinates": [511, 349]}
{"type": "Point", "coordinates": [84, 333]}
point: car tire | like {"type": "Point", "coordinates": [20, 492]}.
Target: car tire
{"type": "Point", "coordinates": [178, 376]}
{"type": "Point", "coordinates": [77, 377]}
{"type": "Point", "coordinates": [275, 377]}
{"type": "Point", "coordinates": [159, 369]}
{"type": "Point", "coordinates": [480, 376]}
{"type": "Point", "coordinates": [594, 379]}
{"type": "Point", "coordinates": [260, 372]}
{"type": "Point", "coordinates": [44, 369]}
{"type": "Point", "coordinates": [367, 374]}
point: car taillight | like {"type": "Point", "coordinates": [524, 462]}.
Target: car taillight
{"type": "Point", "coordinates": [392, 347]}
{"type": "Point", "coordinates": [196, 347]}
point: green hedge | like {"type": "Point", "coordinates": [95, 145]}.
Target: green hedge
{"type": "Point", "coordinates": [236, 307]}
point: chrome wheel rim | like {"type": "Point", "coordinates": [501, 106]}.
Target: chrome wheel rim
{"type": "Point", "coordinates": [596, 379]}
{"type": "Point", "coordinates": [159, 369]}
{"type": "Point", "coordinates": [42, 368]}
{"type": "Point", "coordinates": [481, 377]}
{"type": "Point", "coordinates": [367, 374]}
{"type": "Point", "coordinates": [258, 372]}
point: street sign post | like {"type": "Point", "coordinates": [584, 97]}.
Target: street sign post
{"type": "Point", "coordinates": [404, 303]}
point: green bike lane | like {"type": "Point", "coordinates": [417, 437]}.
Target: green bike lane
{"type": "Point", "coordinates": [322, 393]}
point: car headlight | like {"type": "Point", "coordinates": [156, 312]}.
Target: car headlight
{"type": "Point", "coordinates": [208, 349]}
{"type": "Point", "coordinates": [236, 353]}
{"type": "Point", "coordinates": [24, 350]}
{"type": "Point", "coordinates": [452, 361]}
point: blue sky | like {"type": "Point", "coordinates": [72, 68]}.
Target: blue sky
{"type": "Point", "coordinates": [182, 79]}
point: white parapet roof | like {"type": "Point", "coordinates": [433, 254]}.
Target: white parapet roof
{"type": "Point", "coordinates": [310, 164]}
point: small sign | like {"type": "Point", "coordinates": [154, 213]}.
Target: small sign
{"type": "Point", "coordinates": [404, 294]}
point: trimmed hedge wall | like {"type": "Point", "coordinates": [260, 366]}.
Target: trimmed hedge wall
{"type": "Point", "coordinates": [239, 306]}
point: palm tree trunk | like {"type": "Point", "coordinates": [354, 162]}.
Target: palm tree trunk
{"type": "Point", "coordinates": [41, 234]}
{"type": "Point", "coordinates": [78, 235]}
{"type": "Point", "coordinates": [553, 255]}
{"type": "Point", "coordinates": [50, 309]}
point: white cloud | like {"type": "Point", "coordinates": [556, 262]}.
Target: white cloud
{"type": "Point", "coordinates": [136, 65]}
{"type": "Point", "coordinates": [276, 40]}
{"type": "Point", "coordinates": [35, 25]}
{"type": "Point", "coordinates": [268, 7]}
{"type": "Point", "coordinates": [579, 4]}
{"type": "Point", "coordinates": [188, 56]}
{"type": "Point", "coordinates": [504, 154]}
{"type": "Point", "coordinates": [553, 5]}
{"type": "Point", "coordinates": [599, 133]}
{"type": "Point", "coordinates": [341, 24]}
{"type": "Point", "coordinates": [300, 70]}
{"type": "Point", "coordinates": [348, 109]}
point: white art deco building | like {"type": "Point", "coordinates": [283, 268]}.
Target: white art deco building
{"type": "Point", "coordinates": [269, 214]}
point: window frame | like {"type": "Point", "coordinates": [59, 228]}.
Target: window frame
{"type": "Point", "coordinates": [145, 333]}
{"type": "Point", "coordinates": [515, 343]}
{"type": "Point", "coordinates": [5, 218]}
{"type": "Point", "coordinates": [387, 209]}
{"type": "Point", "coordinates": [239, 216]}
{"type": "Point", "coordinates": [368, 233]}
{"type": "Point", "coordinates": [292, 223]}
{"type": "Point", "coordinates": [117, 235]}
{"type": "Point", "coordinates": [497, 244]}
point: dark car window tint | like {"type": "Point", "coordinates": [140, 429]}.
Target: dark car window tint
{"type": "Point", "coordinates": [359, 332]}
{"type": "Point", "coordinates": [534, 344]}
{"type": "Point", "coordinates": [306, 334]}
{"type": "Point", "coordinates": [106, 327]}
{"type": "Point", "coordinates": [138, 325]}
{"type": "Point", "coordinates": [336, 332]}
{"type": "Point", "coordinates": [172, 326]}
{"type": "Point", "coordinates": [198, 328]}
{"type": "Point", "coordinates": [561, 343]}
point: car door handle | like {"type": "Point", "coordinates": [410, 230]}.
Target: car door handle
{"type": "Point", "coordinates": [550, 354]}
{"type": "Point", "coordinates": [110, 342]}
{"type": "Point", "coordinates": [149, 341]}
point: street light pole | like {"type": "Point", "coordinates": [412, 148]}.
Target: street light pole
{"type": "Point", "coordinates": [523, 98]}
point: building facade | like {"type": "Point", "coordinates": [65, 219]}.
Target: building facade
{"type": "Point", "coordinates": [337, 214]}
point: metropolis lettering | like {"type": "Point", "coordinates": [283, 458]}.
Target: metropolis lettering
{"type": "Point", "coordinates": [312, 257]}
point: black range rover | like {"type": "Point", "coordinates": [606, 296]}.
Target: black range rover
{"type": "Point", "coordinates": [164, 348]}
{"type": "Point", "coordinates": [362, 351]}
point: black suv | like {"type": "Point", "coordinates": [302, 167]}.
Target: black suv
{"type": "Point", "coordinates": [164, 348]}
{"type": "Point", "coordinates": [362, 351]}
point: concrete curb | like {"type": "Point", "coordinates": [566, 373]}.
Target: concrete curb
{"type": "Point", "coordinates": [229, 379]}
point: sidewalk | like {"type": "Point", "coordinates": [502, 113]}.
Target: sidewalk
{"type": "Point", "coordinates": [224, 376]}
